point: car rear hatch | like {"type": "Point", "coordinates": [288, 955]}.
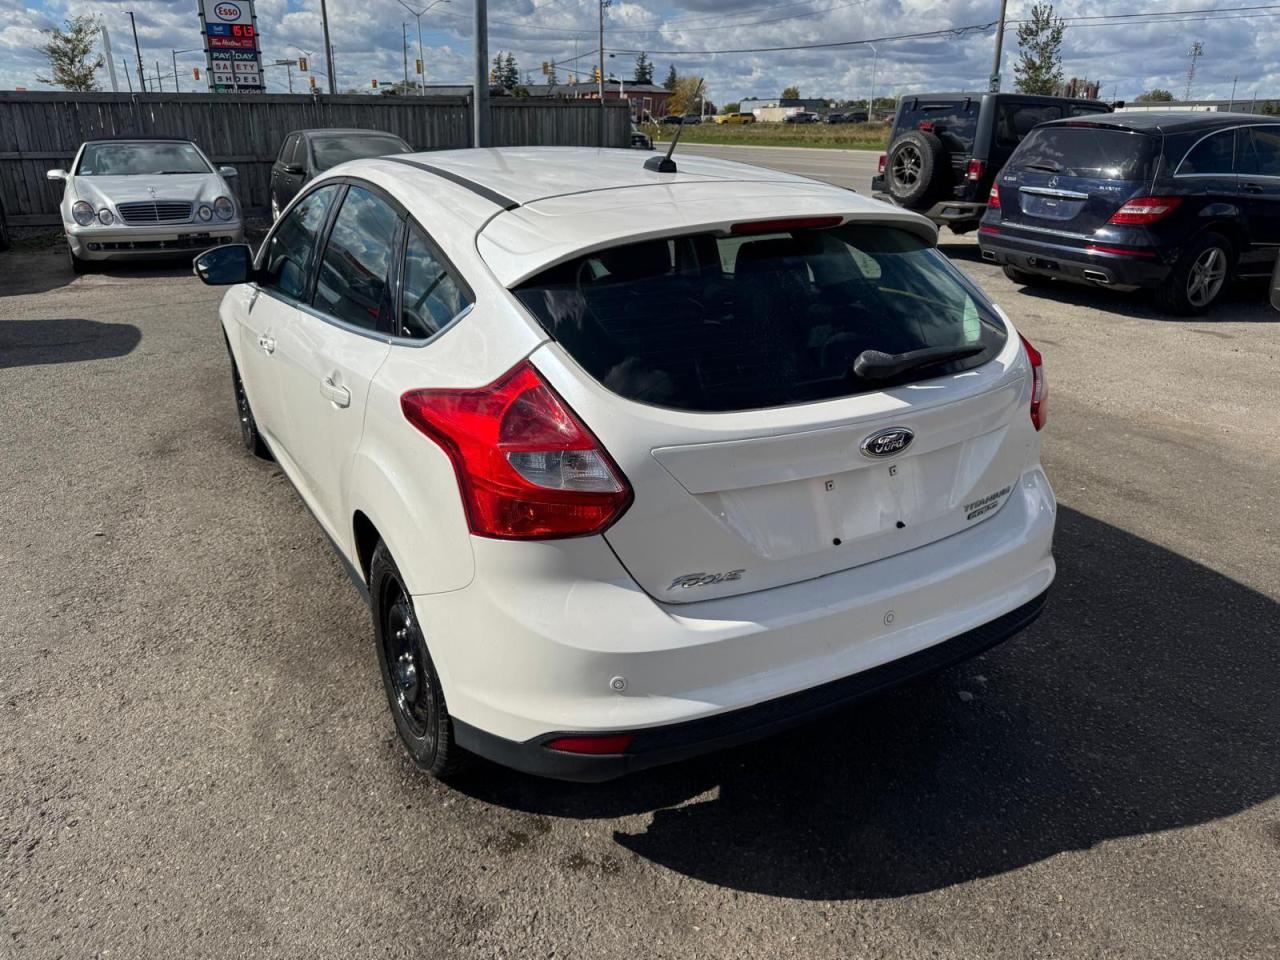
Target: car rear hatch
{"type": "Point", "coordinates": [1066, 180]}
{"type": "Point", "coordinates": [720, 369]}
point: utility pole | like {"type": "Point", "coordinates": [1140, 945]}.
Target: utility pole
{"type": "Point", "coordinates": [600, 75]}
{"type": "Point", "coordinates": [1231, 105]}
{"type": "Point", "coordinates": [994, 84]}
{"type": "Point", "coordinates": [328, 50]}
{"type": "Point", "coordinates": [142, 73]}
{"type": "Point", "coordinates": [417, 15]}
{"type": "Point", "coordinates": [159, 79]}
{"type": "Point", "coordinates": [871, 100]}
{"type": "Point", "coordinates": [480, 95]}
{"type": "Point", "coordinates": [404, 48]}
{"type": "Point", "coordinates": [1197, 51]}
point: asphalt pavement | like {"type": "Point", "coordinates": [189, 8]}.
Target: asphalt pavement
{"type": "Point", "coordinates": [198, 760]}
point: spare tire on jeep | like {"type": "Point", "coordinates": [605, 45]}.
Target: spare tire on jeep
{"type": "Point", "coordinates": [916, 168]}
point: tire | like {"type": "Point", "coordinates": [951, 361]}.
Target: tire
{"type": "Point", "coordinates": [78, 265]}
{"type": "Point", "coordinates": [409, 676]}
{"type": "Point", "coordinates": [249, 434]}
{"type": "Point", "coordinates": [1025, 278]}
{"type": "Point", "coordinates": [916, 163]}
{"type": "Point", "coordinates": [1200, 276]}
{"type": "Point", "coordinates": [6, 241]}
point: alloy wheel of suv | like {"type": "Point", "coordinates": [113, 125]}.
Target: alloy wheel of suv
{"type": "Point", "coordinates": [1200, 276]}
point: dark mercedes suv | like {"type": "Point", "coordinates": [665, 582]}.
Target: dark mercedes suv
{"type": "Point", "coordinates": [1175, 202]}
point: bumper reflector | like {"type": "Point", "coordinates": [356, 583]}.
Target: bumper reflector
{"type": "Point", "coordinates": [611, 743]}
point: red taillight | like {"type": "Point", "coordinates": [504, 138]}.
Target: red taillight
{"type": "Point", "coordinates": [781, 226]}
{"type": "Point", "coordinates": [612, 743]}
{"type": "Point", "coordinates": [527, 468]}
{"type": "Point", "coordinates": [884, 160]}
{"type": "Point", "coordinates": [1039, 389]}
{"type": "Point", "coordinates": [975, 170]}
{"type": "Point", "coordinates": [993, 201]}
{"type": "Point", "coordinates": [1142, 210]}
{"type": "Point", "coordinates": [925, 125]}
{"type": "Point", "coordinates": [990, 231]}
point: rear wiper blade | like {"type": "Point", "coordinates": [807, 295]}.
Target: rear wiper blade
{"type": "Point", "coordinates": [1043, 165]}
{"type": "Point", "coordinates": [875, 365]}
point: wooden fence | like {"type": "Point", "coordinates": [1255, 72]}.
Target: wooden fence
{"type": "Point", "coordinates": [39, 131]}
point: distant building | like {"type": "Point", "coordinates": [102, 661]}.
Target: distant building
{"type": "Point", "coordinates": [646, 99]}
{"type": "Point", "coordinates": [1240, 105]}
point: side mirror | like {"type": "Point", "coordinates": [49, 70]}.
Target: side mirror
{"type": "Point", "coordinates": [58, 175]}
{"type": "Point", "coordinates": [1275, 285]}
{"type": "Point", "coordinates": [228, 172]}
{"type": "Point", "coordinates": [222, 266]}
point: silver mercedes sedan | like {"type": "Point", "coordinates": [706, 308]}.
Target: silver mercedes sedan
{"type": "Point", "coordinates": [145, 198]}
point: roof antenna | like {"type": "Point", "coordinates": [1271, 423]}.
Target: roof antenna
{"type": "Point", "coordinates": [666, 164]}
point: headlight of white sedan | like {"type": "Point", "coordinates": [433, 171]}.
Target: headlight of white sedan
{"type": "Point", "coordinates": [106, 217]}
{"type": "Point", "coordinates": [82, 213]}
{"type": "Point", "coordinates": [204, 213]}
{"type": "Point", "coordinates": [223, 208]}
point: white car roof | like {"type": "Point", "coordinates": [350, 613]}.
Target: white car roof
{"type": "Point", "coordinates": [533, 207]}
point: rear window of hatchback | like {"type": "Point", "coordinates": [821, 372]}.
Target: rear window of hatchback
{"type": "Point", "coordinates": [716, 322]}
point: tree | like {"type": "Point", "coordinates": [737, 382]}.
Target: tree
{"type": "Point", "coordinates": [1271, 108]}
{"type": "Point", "coordinates": [644, 69]}
{"type": "Point", "coordinates": [791, 93]}
{"type": "Point", "coordinates": [733, 107]}
{"type": "Point", "coordinates": [672, 79]}
{"type": "Point", "coordinates": [684, 99]}
{"type": "Point", "coordinates": [1039, 66]}
{"type": "Point", "coordinates": [506, 72]}
{"type": "Point", "coordinates": [69, 51]}
{"type": "Point", "coordinates": [1154, 96]}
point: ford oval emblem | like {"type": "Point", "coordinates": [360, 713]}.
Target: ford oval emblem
{"type": "Point", "coordinates": [227, 11]}
{"type": "Point", "coordinates": [885, 443]}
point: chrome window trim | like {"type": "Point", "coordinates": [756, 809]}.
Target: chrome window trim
{"type": "Point", "coordinates": [1051, 192]}
{"type": "Point", "coordinates": [378, 335]}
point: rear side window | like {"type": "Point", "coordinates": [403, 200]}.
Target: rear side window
{"type": "Point", "coordinates": [1260, 151]}
{"type": "Point", "coordinates": [1015, 120]}
{"type": "Point", "coordinates": [951, 121]}
{"type": "Point", "coordinates": [718, 323]}
{"type": "Point", "coordinates": [330, 151]}
{"type": "Point", "coordinates": [353, 282]}
{"type": "Point", "coordinates": [431, 296]}
{"type": "Point", "coordinates": [1086, 151]}
{"type": "Point", "coordinates": [1214, 155]}
{"type": "Point", "coordinates": [290, 247]}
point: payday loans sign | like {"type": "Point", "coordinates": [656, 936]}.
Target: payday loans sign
{"type": "Point", "coordinates": [232, 55]}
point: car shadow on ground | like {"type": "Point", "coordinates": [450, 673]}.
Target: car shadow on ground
{"type": "Point", "coordinates": [1143, 700]}
{"type": "Point", "coordinates": [27, 343]}
{"type": "Point", "coordinates": [25, 273]}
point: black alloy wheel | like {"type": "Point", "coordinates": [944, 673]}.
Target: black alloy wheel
{"type": "Point", "coordinates": [249, 435]}
{"type": "Point", "coordinates": [408, 673]}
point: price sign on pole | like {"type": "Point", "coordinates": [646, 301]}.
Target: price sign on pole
{"type": "Point", "coordinates": [232, 54]}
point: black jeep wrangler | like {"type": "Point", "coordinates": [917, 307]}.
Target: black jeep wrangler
{"type": "Point", "coordinates": [945, 149]}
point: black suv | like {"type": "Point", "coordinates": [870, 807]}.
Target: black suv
{"type": "Point", "coordinates": [946, 148]}
{"type": "Point", "coordinates": [1175, 202]}
{"type": "Point", "coordinates": [305, 153]}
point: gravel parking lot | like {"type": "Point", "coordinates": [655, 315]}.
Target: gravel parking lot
{"type": "Point", "coordinates": [199, 761]}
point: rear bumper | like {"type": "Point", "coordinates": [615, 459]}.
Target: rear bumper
{"type": "Point", "coordinates": [679, 741]}
{"type": "Point", "coordinates": [555, 636]}
{"type": "Point", "coordinates": [943, 213]}
{"type": "Point", "coordinates": [1048, 259]}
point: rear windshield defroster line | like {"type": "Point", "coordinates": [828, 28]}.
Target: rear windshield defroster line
{"type": "Point", "coordinates": [716, 323]}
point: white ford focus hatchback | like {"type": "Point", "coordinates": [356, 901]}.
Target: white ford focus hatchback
{"type": "Point", "coordinates": [633, 465]}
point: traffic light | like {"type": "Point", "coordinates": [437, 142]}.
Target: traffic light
{"type": "Point", "coordinates": [313, 82]}
{"type": "Point", "coordinates": [374, 81]}
{"type": "Point", "coordinates": [595, 74]}
{"type": "Point", "coordinates": [546, 68]}
{"type": "Point", "coordinates": [302, 64]}
{"type": "Point", "coordinates": [195, 72]}
{"type": "Point", "coordinates": [419, 66]}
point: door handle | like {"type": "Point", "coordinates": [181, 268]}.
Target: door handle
{"type": "Point", "coordinates": [268, 344]}
{"type": "Point", "coordinates": [337, 395]}
{"type": "Point", "coordinates": [1254, 187]}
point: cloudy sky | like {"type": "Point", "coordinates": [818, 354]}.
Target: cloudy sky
{"type": "Point", "coordinates": [1240, 41]}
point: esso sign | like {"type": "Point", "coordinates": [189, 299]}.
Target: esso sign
{"type": "Point", "coordinates": [229, 12]}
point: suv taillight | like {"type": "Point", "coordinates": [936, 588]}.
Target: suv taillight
{"type": "Point", "coordinates": [884, 159]}
{"type": "Point", "coordinates": [1039, 389]}
{"type": "Point", "coordinates": [1142, 210]}
{"type": "Point", "coordinates": [975, 170]}
{"type": "Point", "coordinates": [993, 201]}
{"type": "Point", "coordinates": [527, 467]}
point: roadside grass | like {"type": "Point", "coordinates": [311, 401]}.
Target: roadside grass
{"type": "Point", "coordinates": [838, 136]}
